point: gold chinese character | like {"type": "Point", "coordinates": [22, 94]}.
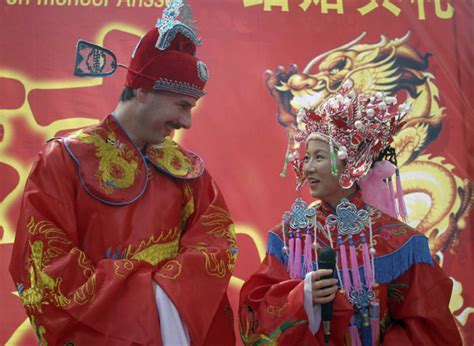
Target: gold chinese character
{"type": "Point", "coordinates": [372, 5]}
{"type": "Point", "coordinates": [338, 6]}
{"type": "Point", "coordinates": [248, 3]}
{"type": "Point", "coordinates": [268, 4]}
{"type": "Point", "coordinates": [440, 12]}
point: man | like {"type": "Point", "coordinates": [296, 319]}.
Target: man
{"type": "Point", "coordinates": [123, 236]}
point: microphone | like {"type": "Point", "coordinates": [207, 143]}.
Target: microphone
{"type": "Point", "coordinates": [327, 260]}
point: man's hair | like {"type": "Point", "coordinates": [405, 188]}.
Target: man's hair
{"type": "Point", "coordinates": [127, 94]}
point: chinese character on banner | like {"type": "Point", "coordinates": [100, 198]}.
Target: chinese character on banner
{"type": "Point", "coordinates": [268, 4]}
{"type": "Point", "coordinates": [443, 12]}
{"type": "Point", "coordinates": [337, 5]}
{"type": "Point", "coordinates": [372, 5]}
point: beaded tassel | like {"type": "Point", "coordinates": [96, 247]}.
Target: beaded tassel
{"type": "Point", "coordinates": [346, 280]}
{"type": "Point", "coordinates": [333, 154]}
{"type": "Point", "coordinates": [357, 285]}
{"type": "Point", "coordinates": [283, 232]}
{"type": "Point", "coordinates": [298, 256]}
{"type": "Point", "coordinates": [291, 250]}
{"type": "Point", "coordinates": [308, 261]}
{"type": "Point", "coordinates": [368, 272]}
{"type": "Point", "coordinates": [374, 321]}
{"type": "Point", "coordinates": [365, 329]}
{"type": "Point", "coordinates": [354, 333]}
{"type": "Point", "coordinates": [400, 197]}
{"type": "Point", "coordinates": [393, 205]}
{"type": "Point", "coordinates": [315, 241]}
{"type": "Point", "coordinates": [287, 157]}
{"type": "Point", "coordinates": [333, 161]}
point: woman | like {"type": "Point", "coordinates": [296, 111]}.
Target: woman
{"type": "Point", "coordinates": [386, 288]}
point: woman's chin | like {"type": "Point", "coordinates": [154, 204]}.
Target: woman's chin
{"type": "Point", "coordinates": [315, 193]}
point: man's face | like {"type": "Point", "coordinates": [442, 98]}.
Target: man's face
{"type": "Point", "coordinates": [159, 114]}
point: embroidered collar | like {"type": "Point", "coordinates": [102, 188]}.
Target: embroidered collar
{"type": "Point", "coordinates": [112, 169]}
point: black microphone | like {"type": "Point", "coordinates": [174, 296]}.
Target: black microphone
{"type": "Point", "coordinates": [327, 260]}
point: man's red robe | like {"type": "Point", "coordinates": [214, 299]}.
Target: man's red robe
{"type": "Point", "coordinates": [100, 220]}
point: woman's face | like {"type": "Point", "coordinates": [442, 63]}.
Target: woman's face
{"type": "Point", "coordinates": [317, 168]}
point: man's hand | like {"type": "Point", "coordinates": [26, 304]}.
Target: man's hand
{"type": "Point", "coordinates": [324, 291]}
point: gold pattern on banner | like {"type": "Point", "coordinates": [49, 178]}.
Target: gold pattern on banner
{"type": "Point", "coordinates": [441, 8]}
{"type": "Point", "coordinates": [372, 5]}
{"type": "Point", "coordinates": [118, 162]}
{"type": "Point", "coordinates": [337, 5]}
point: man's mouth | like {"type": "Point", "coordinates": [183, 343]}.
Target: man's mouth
{"type": "Point", "coordinates": [170, 127]}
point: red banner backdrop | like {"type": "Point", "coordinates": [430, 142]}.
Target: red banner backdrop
{"type": "Point", "coordinates": [239, 126]}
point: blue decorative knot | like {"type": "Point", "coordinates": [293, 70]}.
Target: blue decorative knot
{"type": "Point", "coordinates": [362, 298]}
{"type": "Point", "coordinates": [348, 219]}
{"type": "Point", "coordinates": [298, 217]}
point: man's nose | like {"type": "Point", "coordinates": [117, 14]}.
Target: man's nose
{"type": "Point", "coordinates": [185, 120]}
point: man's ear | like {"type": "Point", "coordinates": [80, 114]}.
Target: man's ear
{"type": "Point", "coordinates": [141, 94]}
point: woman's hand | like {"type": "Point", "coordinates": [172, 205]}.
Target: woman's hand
{"type": "Point", "coordinates": [324, 291]}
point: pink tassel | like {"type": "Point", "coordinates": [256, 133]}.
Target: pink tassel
{"type": "Point", "coordinates": [393, 207]}
{"type": "Point", "coordinates": [308, 263]}
{"type": "Point", "coordinates": [291, 256]}
{"type": "Point", "coordinates": [298, 255]}
{"type": "Point", "coordinates": [315, 246]}
{"type": "Point", "coordinates": [354, 333]}
{"type": "Point", "coordinates": [375, 322]}
{"type": "Point", "coordinates": [369, 278]}
{"type": "Point", "coordinates": [355, 266]}
{"type": "Point", "coordinates": [400, 197]}
{"type": "Point", "coordinates": [346, 280]}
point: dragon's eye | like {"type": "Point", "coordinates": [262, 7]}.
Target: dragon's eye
{"type": "Point", "coordinates": [338, 66]}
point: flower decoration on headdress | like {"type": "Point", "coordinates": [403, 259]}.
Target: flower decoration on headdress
{"type": "Point", "coordinates": [357, 127]}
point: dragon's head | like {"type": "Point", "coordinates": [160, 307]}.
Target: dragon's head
{"type": "Point", "coordinates": [388, 66]}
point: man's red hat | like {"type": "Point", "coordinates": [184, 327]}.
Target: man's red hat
{"type": "Point", "coordinates": [164, 58]}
